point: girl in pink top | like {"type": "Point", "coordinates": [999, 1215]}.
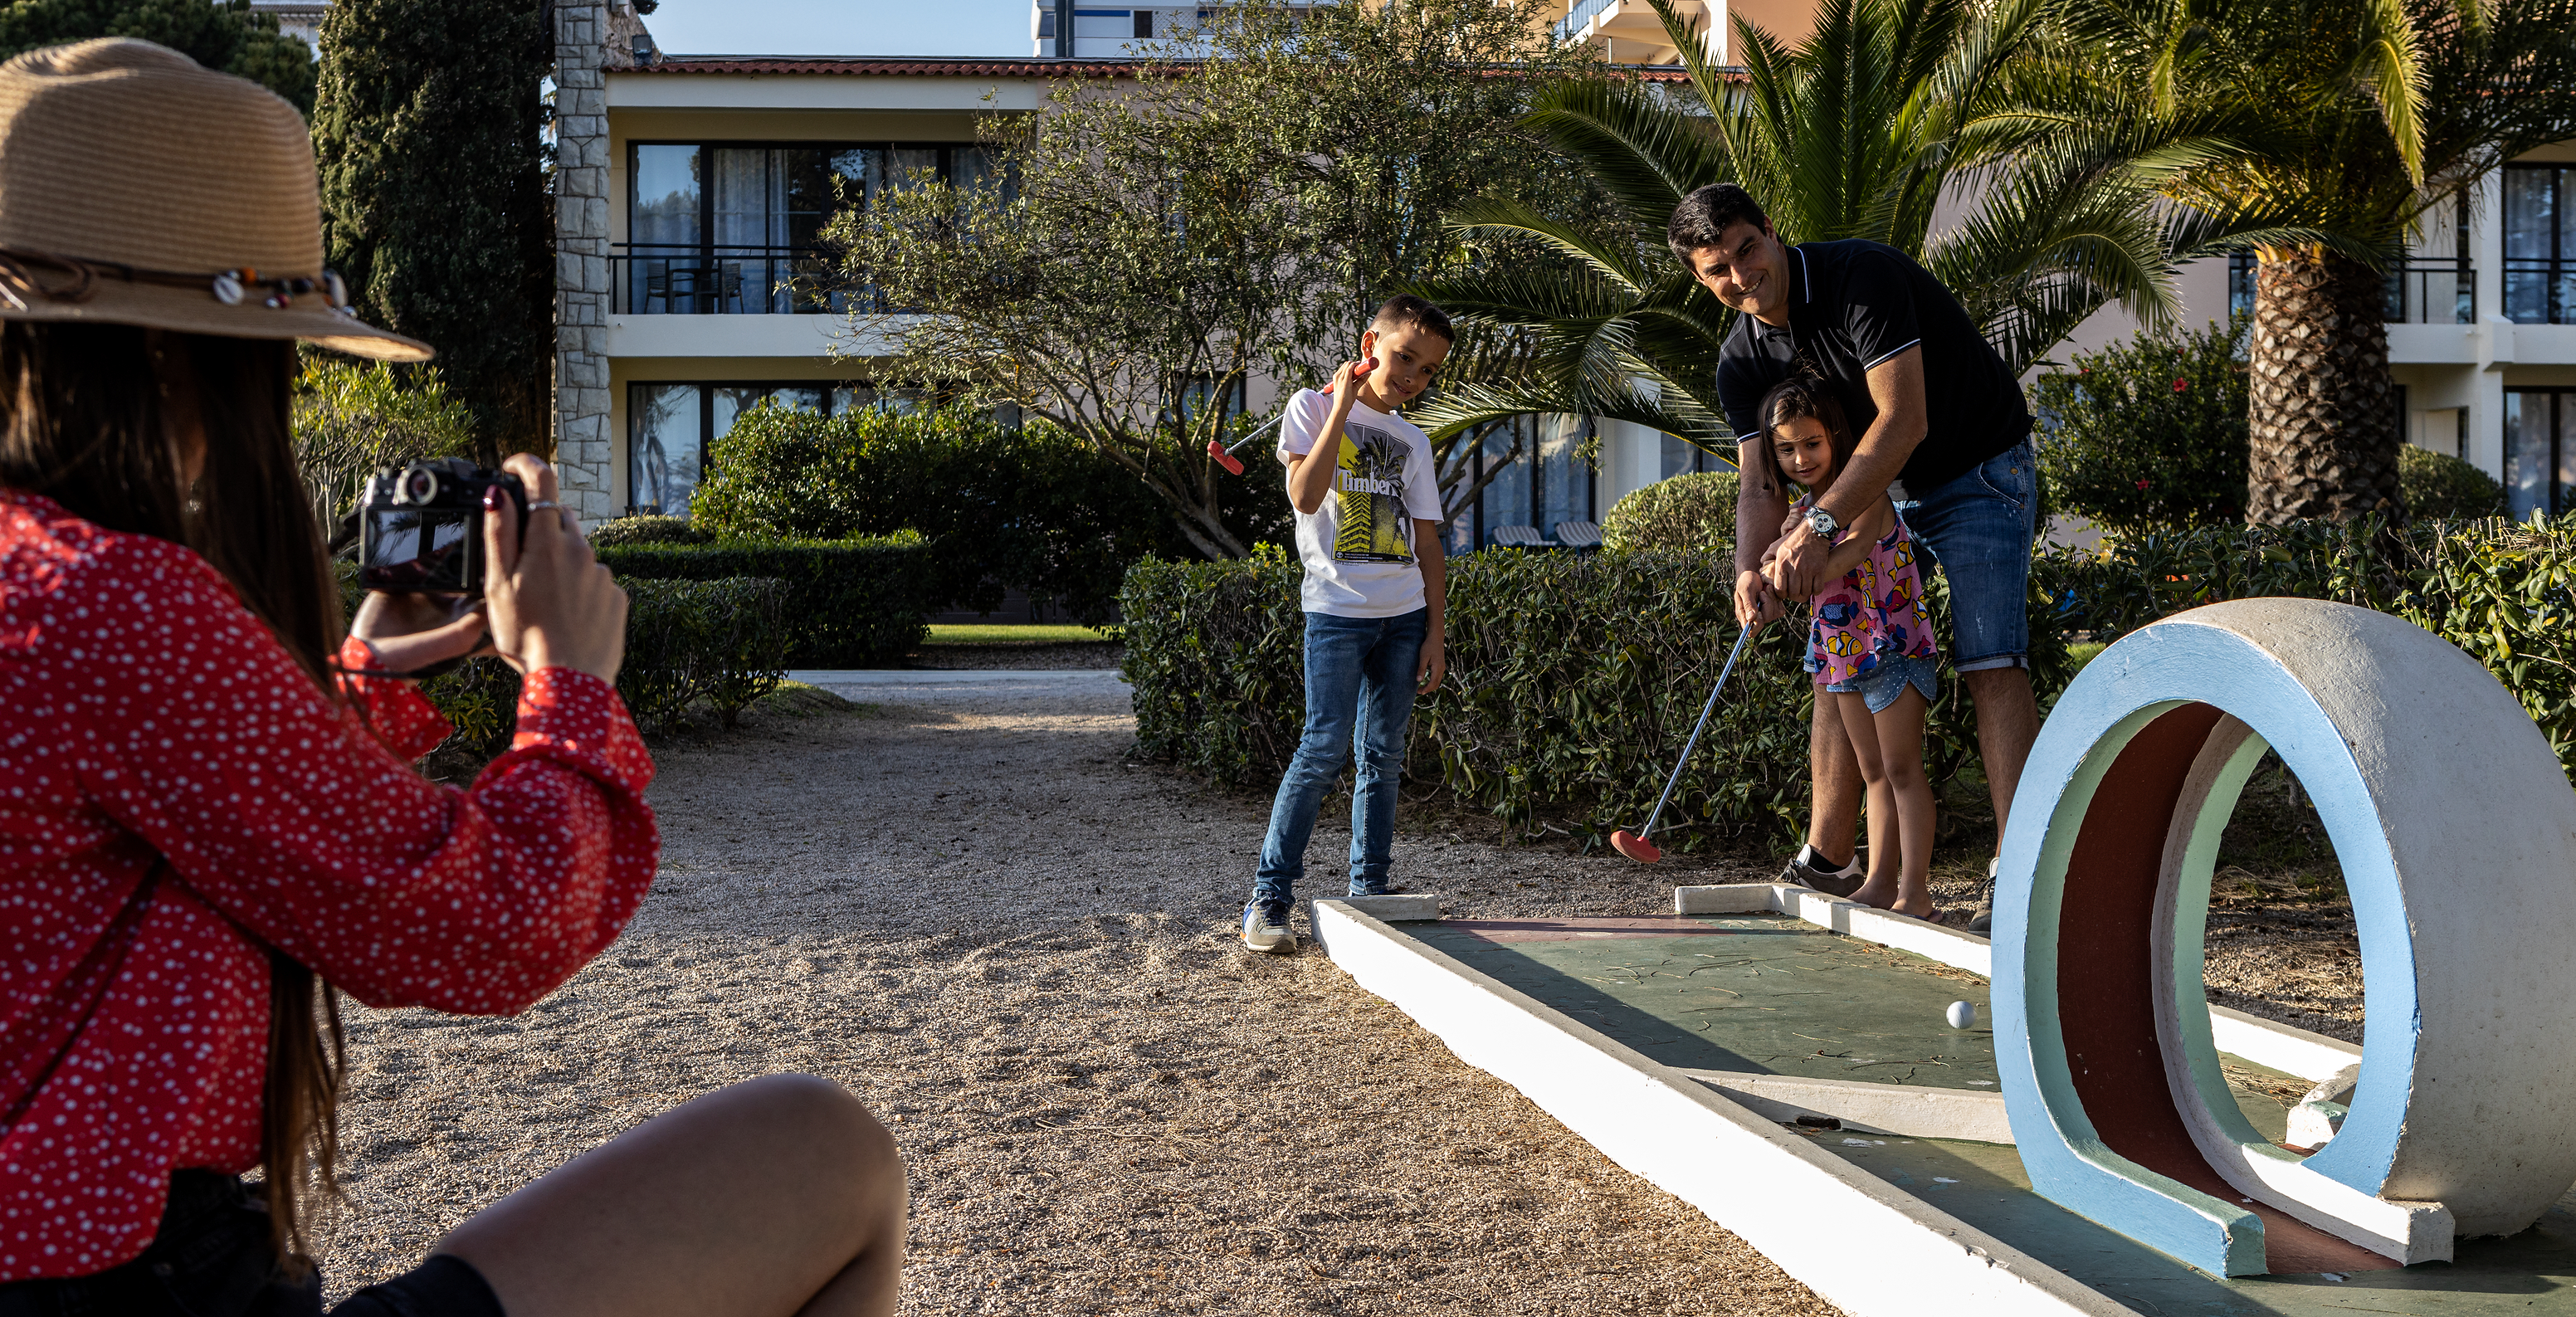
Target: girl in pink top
{"type": "Point", "coordinates": [1867, 644]}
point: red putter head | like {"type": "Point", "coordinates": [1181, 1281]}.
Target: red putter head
{"type": "Point", "coordinates": [1224, 458]}
{"type": "Point", "coordinates": [1635, 847]}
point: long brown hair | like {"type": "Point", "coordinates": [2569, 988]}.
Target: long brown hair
{"type": "Point", "coordinates": [85, 420]}
{"type": "Point", "coordinates": [1804, 395]}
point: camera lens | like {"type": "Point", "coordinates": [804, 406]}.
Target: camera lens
{"type": "Point", "coordinates": [420, 485]}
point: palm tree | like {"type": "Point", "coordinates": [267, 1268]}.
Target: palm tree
{"type": "Point", "coordinates": [2353, 120]}
{"type": "Point", "coordinates": [1890, 107]}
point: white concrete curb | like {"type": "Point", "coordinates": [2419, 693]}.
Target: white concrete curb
{"type": "Point", "coordinates": [1801, 1206]}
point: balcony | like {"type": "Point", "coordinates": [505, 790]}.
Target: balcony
{"type": "Point", "coordinates": [2432, 290]}
{"type": "Point", "coordinates": [1628, 31]}
{"type": "Point", "coordinates": [694, 279]}
{"type": "Point", "coordinates": [2540, 290]}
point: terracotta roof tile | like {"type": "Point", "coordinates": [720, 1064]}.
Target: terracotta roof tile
{"type": "Point", "coordinates": [937, 67]}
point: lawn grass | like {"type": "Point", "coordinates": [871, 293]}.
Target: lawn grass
{"type": "Point", "coordinates": [978, 633]}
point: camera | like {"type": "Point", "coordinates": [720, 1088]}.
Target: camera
{"type": "Point", "coordinates": [421, 526]}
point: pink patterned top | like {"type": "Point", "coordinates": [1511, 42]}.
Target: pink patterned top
{"type": "Point", "coordinates": [176, 797]}
{"type": "Point", "coordinates": [1872, 614]}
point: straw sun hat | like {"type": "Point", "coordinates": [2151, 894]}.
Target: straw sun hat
{"type": "Point", "coordinates": [140, 188]}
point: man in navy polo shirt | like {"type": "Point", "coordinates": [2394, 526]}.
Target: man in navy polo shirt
{"type": "Point", "coordinates": [1944, 432]}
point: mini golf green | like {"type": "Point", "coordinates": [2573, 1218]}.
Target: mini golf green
{"type": "Point", "coordinates": [1772, 994]}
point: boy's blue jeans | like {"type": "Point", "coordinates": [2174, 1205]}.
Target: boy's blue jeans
{"type": "Point", "coordinates": [1359, 698]}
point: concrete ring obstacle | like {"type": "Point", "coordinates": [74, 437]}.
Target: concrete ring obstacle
{"type": "Point", "coordinates": [2456, 830]}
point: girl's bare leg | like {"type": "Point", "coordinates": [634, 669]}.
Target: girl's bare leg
{"type": "Point", "coordinates": [1899, 729]}
{"type": "Point", "coordinates": [1884, 845]}
{"type": "Point", "coordinates": [777, 1197]}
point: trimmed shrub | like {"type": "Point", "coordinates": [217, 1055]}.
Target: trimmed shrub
{"type": "Point", "coordinates": [1031, 508]}
{"type": "Point", "coordinates": [1693, 511]}
{"type": "Point", "coordinates": [1573, 680]}
{"type": "Point", "coordinates": [850, 603]}
{"type": "Point", "coordinates": [648, 530]}
{"type": "Point", "coordinates": [723, 641]}
{"type": "Point", "coordinates": [2146, 434]}
{"type": "Point", "coordinates": [2440, 485]}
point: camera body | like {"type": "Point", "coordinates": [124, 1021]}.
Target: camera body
{"type": "Point", "coordinates": [421, 526]}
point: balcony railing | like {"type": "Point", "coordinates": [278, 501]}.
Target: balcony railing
{"type": "Point", "coordinates": [2539, 290]}
{"type": "Point", "coordinates": [1573, 22]}
{"type": "Point", "coordinates": [2432, 290]}
{"type": "Point", "coordinates": [693, 279]}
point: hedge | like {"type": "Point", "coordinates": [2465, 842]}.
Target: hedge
{"type": "Point", "coordinates": [1573, 680]}
{"type": "Point", "coordinates": [1694, 511]}
{"type": "Point", "coordinates": [1030, 507]}
{"type": "Point", "coordinates": [721, 642]}
{"type": "Point", "coordinates": [850, 603]}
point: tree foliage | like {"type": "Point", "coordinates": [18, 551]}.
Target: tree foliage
{"type": "Point", "coordinates": [434, 204]}
{"type": "Point", "coordinates": [2149, 432]}
{"type": "Point", "coordinates": [2341, 125]}
{"type": "Point", "coordinates": [353, 417]}
{"type": "Point", "coordinates": [1888, 108]}
{"type": "Point", "coordinates": [1032, 509]}
{"type": "Point", "coordinates": [220, 34]}
{"type": "Point", "coordinates": [1164, 240]}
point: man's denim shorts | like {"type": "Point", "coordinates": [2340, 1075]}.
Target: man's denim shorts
{"type": "Point", "coordinates": [1879, 687]}
{"type": "Point", "coordinates": [1977, 529]}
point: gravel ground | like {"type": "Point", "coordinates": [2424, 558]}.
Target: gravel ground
{"type": "Point", "coordinates": [1018, 946]}
{"type": "Point", "coordinates": [964, 903]}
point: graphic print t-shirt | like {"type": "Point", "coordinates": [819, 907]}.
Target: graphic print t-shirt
{"type": "Point", "coordinates": [1358, 547]}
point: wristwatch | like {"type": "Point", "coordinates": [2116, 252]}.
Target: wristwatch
{"type": "Point", "coordinates": [1822, 523]}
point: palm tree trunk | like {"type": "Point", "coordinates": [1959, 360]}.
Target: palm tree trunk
{"type": "Point", "coordinates": [2323, 427]}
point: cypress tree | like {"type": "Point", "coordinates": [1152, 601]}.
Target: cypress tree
{"type": "Point", "coordinates": [427, 127]}
{"type": "Point", "coordinates": [220, 34]}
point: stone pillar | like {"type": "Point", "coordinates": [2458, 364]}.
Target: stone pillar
{"type": "Point", "coordinates": [583, 442]}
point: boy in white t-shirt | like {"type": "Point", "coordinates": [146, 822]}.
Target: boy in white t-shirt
{"type": "Point", "coordinates": [1368, 532]}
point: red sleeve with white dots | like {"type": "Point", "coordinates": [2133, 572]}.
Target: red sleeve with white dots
{"type": "Point", "coordinates": [176, 796]}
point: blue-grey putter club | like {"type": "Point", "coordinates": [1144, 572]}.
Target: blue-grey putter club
{"type": "Point", "coordinates": [1634, 844]}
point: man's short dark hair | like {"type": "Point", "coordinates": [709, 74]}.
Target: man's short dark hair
{"type": "Point", "coordinates": [1706, 214]}
{"type": "Point", "coordinates": [1405, 309]}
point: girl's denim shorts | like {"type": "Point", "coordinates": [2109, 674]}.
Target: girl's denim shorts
{"type": "Point", "coordinates": [1879, 687]}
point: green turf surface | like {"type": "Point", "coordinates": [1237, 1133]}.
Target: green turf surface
{"type": "Point", "coordinates": [978, 633]}
{"type": "Point", "coordinates": [1772, 994]}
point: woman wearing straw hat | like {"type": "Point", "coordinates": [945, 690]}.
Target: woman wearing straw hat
{"type": "Point", "coordinates": [205, 805]}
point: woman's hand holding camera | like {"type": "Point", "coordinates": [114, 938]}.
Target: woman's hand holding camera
{"type": "Point", "coordinates": [550, 603]}
{"type": "Point", "coordinates": [546, 602]}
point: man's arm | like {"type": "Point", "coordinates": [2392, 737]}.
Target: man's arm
{"type": "Point", "coordinates": [1896, 385]}
{"type": "Point", "coordinates": [1434, 559]}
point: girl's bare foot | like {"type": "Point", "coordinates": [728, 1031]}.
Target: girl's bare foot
{"type": "Point", "coordinates": [1916, 909]}
{"type": "Point", "coordinates": [1878, 893]}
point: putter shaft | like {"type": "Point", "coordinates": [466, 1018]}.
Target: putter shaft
{"type": "Point", "coordinates": [1693, 742]}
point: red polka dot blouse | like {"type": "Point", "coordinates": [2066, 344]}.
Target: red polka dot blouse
{"type": "Point", "coordinates": [174, 796]}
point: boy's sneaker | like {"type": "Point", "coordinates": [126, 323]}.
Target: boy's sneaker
{"type": "Point", "coordinates": [1265, 929]}
{"type": "Point", "coordinates": [1812, 869]}
{"type": "Point", "coordinates": [1984, 924]}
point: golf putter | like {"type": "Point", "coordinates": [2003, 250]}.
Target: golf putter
{"type": "Point", "coordinates": [1634, 844]}
{"type": "Point", "coordinates": [1224, 454]}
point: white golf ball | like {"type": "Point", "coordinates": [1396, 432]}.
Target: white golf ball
{"type": "Point", "coordinates": [1962, 1014]}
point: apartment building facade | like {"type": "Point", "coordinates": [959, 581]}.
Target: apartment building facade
{"type": "Point", "coordinates": [692, 188]}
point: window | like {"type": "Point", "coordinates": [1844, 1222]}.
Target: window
{"type": "Point", "coordinates": [1689, 459]}
{"type": "Point", "coordinates": [2540, 244]}
{"type": "Point", "coordinates": [730, 229]}
{"type": "Point", "coordinates": [1546, 484]}
{"type": "Point", "coordinates": [2240, 284]}
{"type": "Point", "coordinates": [670, 427]}
{"type": "Point", "coordinates": [2539, 449]}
